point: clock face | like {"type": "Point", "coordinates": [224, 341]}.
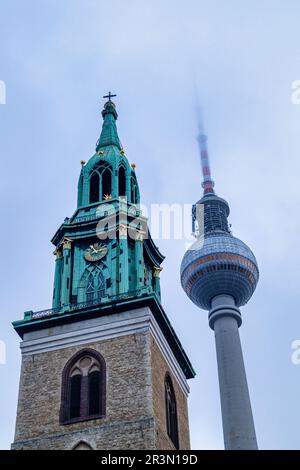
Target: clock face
{"type": "Point", "coordinates": [95, 252]}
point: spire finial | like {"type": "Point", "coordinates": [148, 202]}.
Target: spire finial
{"type": "Point", "coordinates": [208, 183]}
{"type": "Point", "coordinates": [109, 133]}
{"type": "Point", "coordinates": [109, 96]}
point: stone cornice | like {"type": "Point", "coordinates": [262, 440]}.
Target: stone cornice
{"type": "Point", "coordinates": [103, 328]}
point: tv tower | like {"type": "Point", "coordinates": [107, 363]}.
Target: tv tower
{"type": "Point", "coordinates": [219, 273]}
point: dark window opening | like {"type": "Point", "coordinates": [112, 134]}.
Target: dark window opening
{"type": "Point", "coordinates": [75, 395]}
{"type": "Point", "coordinates": [106, 183]}
{"type": "Point", "coordinates": [82, 446]}
{"type": "Point", "coordinates": [94, 392]}
{"type": "Point", "coordinates": [122, 181]}
{"type": "Point", "coordinates": [171, 412]}
{"type": "Point", "coordinates": [94, 188]}
{"type": "Point", "coordinates": [83, 387]}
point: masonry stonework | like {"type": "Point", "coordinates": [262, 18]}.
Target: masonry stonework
{"type": "Point", "coordinates": [135, 415]}
{"type": "Point", "coordinates": [128, 422]}
{"type": "Point", "coordinates": [159, 369]}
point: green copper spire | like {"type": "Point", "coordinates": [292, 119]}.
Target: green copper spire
{"type": "Point", "coordinates": [109, 133]}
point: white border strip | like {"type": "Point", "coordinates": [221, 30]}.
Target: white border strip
{"type": "Point", "coordinates": [137, 321]}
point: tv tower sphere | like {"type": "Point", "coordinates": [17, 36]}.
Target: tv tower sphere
{"type": "Point", "coordinates": [218, 263]}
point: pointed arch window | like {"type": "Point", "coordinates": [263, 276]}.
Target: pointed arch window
{"type": "Point", "coordinates": [94, 188]}
{"type": "Point", "coordinates": [75, 393]}
{"type": "Point", "coordinates": [122, 181]}
{"type": "Point", "coordinates": [95, 286]}
{"type": "Point", "coordinates": [106, 183]}
{"type": "Point", "coordinates": [171, 411]}
{"type": "Point", "coordinates": [83, 387]}
{"type": "Point", "coordinates": [90, 288]}
{"type": "Point", "coordinates": [82, 446]}
{"type": "Point", "coordinates": [100, 182]}
{"type": "Point", "coordinates": [101, 286]}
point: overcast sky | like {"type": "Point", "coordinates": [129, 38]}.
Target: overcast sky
{"type": "Point", "coordinates": [57, 59]}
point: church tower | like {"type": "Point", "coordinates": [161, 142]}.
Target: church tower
{"type": "Point", "coordinates": [103, 368]}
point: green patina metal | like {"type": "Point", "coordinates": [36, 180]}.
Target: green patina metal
{"type": "Point", "coordinates": [109, 134]}
{"type": "Point", "coordinates": [108, 218]}
{"type": "Point", "coordinates": [108, 211]}
{"type": "Point", "coordinates": [142, 300]}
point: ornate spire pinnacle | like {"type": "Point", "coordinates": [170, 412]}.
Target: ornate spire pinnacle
{"type": "Point", "coordinates": [208, 183]}
{"type": "Point", "coordinates": [109, 133]}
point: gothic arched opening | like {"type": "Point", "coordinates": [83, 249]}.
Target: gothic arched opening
{"type": "Point", "coordinates": [171, 411]}
{"type": "Point", "coordinates": [83, 387]}
{"type": "Point", "coordinates": [82, 446]}
{"type": "Point", "coordinates": [106, 183]}
{"type": "Point", "coordinates": [90, 288]}
{"type": "Point", "coordinates": [94, 188]}
{"type": "Point", "coordinates": [122, 181]}
{"type": "Point", "coordinates": [95, 286]}
{"type": "Point", "coordinates": [75, 393]}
